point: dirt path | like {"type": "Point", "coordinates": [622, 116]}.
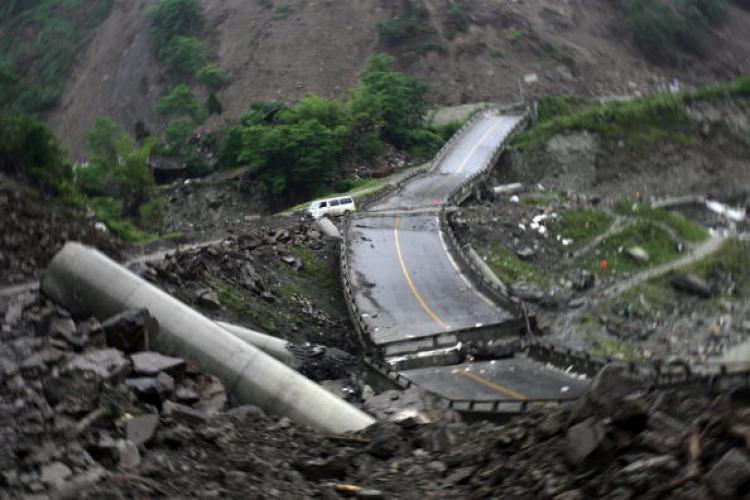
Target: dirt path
{"type": "Point", "coordinates": [697, 253]}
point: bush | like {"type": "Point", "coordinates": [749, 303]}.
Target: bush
{"type": "Point", "coordinates": [180, 102]}
{"type": "Point", "coordinates": [184, 55]}
{"type": "Point", "coordinates": [100, 139]}
{"type": "Point", "coordinates": [212, 77]}
{"type": "Point", "coordinates": [172, 18]}
{"type": "Point", "coordinates": [291, 161]}
{"type": "Point", "coordinates": [213, 105]}
{"type": "Point", "coordinates": [29, 149]}
{"type": "Point", "coordinates": [661, 27]}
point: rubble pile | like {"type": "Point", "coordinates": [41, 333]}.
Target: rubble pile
{"type": "Point", "coordinates": [32, 230]}
{"type": "Point", "coordinates": [278, 276]}
{"type": "Point", "coordinates": [88, 411]}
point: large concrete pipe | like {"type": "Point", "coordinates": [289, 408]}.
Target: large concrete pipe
{"type": "Point", "coordinates": [88, 283]}
{"type": "Point", "coordinates": [327, 227]}
{"type": "Point", "coordinates": [273, 346]}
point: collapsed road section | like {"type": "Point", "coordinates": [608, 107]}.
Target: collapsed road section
{"type": "Point", "coordinates": [413, 304]}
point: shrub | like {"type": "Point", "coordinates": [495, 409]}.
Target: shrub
{"type": "Point", "coordinates": [172, 18]}
{"type": "Point", "coordinates": [212, 77]}
{"type": "Point", "coordinates": [29, 149]}
{"type": "Point", "coordinates": [661, 27]}
{"type": "Point", "coordinates": [100, 139]}
{"type": "Point", "coordinates": [180, 102]}
{"type": "Point", "coordinates": [184, 55]}
{"type": "Point", "coordinates": [213, 105]}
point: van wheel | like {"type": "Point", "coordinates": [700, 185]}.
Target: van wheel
{"type": "Point", "coordinates": [347, 212]}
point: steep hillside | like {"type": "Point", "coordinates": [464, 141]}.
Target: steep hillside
{"type": "Point", "coordinates": [467, 51]}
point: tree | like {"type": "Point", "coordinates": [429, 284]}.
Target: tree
{"type": "Point", "coordinates": [291, 161]}
{"type": "Point", "coordinates": [389, 100]}
{"type": "Point", "coordinates": [328, 112]}
{"type": "Point", "coordinates": [100, 139]}
{"type": "Point", "coordinates": [212, 77]}
{"type": "Point", "coordinates": [180, 102]}
{"type": "Point", "coordinates": [171, 18]}
{"type": "Point", "coordinates": [28, 148]}
{"type": "Point", "coordinates": [184, 55]}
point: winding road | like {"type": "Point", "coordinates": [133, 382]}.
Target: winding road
{"type": "Point", "coordinates": [412, 296]}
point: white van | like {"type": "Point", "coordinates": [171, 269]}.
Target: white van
{"type": "Point", "coordinates": [331, 206]}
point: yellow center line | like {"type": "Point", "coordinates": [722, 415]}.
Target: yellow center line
{"type": "Point", "coordinates": [440, 181]}
{"type": "Point", "coordinates": [409, 282]}
{"type": "Point", "coordinates": [499, 388]}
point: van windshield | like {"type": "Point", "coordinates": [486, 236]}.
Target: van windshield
{"type": "Point", "coordinates": [314, 205]}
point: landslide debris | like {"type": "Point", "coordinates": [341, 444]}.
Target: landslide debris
{"type": "Point", "coordinates": [33, 229]}
{"type": "Point", "coordinates": [81, 419]}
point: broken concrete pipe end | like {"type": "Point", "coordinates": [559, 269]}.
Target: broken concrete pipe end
{"type": "Point", "coordinates": [87, 282]}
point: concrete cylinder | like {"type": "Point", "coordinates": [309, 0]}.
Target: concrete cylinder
{"type": "Point", "coordinates": [88, 283]}
{"type": "Point", "coordinates": [327, 227]}
{"type": "Point", "coordinates": [273, 346]}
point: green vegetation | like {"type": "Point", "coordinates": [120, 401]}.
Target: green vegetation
{"type": "Point", "coordinates": [543, 197]}
{"type": "Point", "coordinates": [29, 150]}
{"type": "Point", "coordinates": [507, 266]}
{"type": "Point", "coordinates": [171, 19]}
{"type": "Point", "coordinates": [684, 228]}
{"type": "Point", "coordinates": [607, 347]}
{"type": "Point", "coordinates": [654, 240]}
{"type": "Point", "coordinates": [732, 259]}
{"type": "Point", "coordinates": [661, 28]}
{"type": "Point", "coordinates": [180, 102]}
{"type": "Point", "coordinates": [640, 123]}
{"type": "Point", "coordinates": [282, 12]}
{"type": "Point", "coordinates": [410, 23]}
{"type": "Point", "coordinates": [41, 40]}
{"type": "Point", "coordinates": [455, 20]}
{"type": "Point", "coordinates": [299, 151]}
{"type": "Point", "coordinates": [184, 56]}
{"type": "Point", "coordinates": [554, 106]}
{"type": "Point", "coordinates": [581, 225]}
{"type": "Point", "coordinates": [212, 77]}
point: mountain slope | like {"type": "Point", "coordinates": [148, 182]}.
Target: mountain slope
{"type": "Point", "coordinates": [292, 48]}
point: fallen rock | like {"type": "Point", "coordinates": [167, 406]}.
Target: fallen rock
{"type": "Point", "coordinates": [527, 292]}
{"type": "Point", "coordinates": [183, 413]}
{"type": "Point", "coordinates": [526, 253]}
{"type": "Point", "coordinates": [583, 280]}
{"type": "Point", "coordinates": [692, 284]}
{"type": "Point", "coordinates": [55, 474]}
{"type": "Point", "coordinates": [638, 254]}
{"type": "Point", "coordinates": [207, 298]}
{"type": "Point", "coordinates": [65, 328]}
{"type": "Point", "coordinates": [149, 364]}
{"type": "Point", "coordinates": [141, 429]}
{"type": "Point", "coordinates": [584, 440]}
{"type": "Point", "coordinates": [130, 330]}
{"type": "Point", "coordinates": [148, 389]}
{"type": "Point", "coordinates": [324, 468]}
{"type": "Point", "coordinates": [730, 473]}
{"type": "Point", "coordinates": [106, 363]}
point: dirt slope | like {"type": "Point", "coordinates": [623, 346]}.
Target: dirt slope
{"type": "Point", "coordinates": [320, 47]}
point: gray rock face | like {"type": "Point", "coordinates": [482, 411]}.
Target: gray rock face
{"type": "Point", "coordinates": [208, 299]}
{"type": "Point", "coordinates": [106, 363]}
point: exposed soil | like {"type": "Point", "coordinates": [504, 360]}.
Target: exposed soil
{"type": "Point", "coordinates": [288, 50]}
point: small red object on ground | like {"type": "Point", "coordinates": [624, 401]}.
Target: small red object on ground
{"type": "Point", "coordinates": [603, 264]}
